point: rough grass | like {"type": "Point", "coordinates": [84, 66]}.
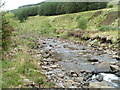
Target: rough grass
{"type": "Point", "coordinates": [21, 66]}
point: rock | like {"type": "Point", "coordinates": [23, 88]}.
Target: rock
{"type": "Point", "coordinates": [46, 55]}
{"type": "Point", "coordinates": [42, 51]}
{"type": "Point", "coordinates": [63, 69]}
{"type": "Point", "coordinates": [32, 84]}
{"type": "Point", "coordinates": [49, 69]}
{"type": "Point", "coordinates": [116, 57]}
{"type": "Point", "coordinates": [103, 39]}
{"type": "Point", "coordinates": [78, 79]}
{"type": "Point", "coordinates": [100, 49]}
{"type": "Point", "coordinates": [82, 71]}
{"type": "Point", "coordinates": [83, 48]}
{"type": "Point", "coordinates": [27, 81]}
{"type": "Point", "coordinates": [93, 63]}
{"type": "Point", "coordinates": [114, 67]}
{"type": "Point", "coordinates": [51, 45]}
{"type": "Point", "coordinates": [46, 68]}
{"type": "Point", "coordinates": [93, 41]}
{"type": "Point", "coordinates": [69, 83]}
{"type": "Point", "coordinates": [73, 87]}
{"type": "Point", "coordinates": [109, 41]}
{"type": "Point", "coordinates": [99, 78]}
{"type": "Point", "coordinates": [60, 85]}
{"type": "Point", "coordinates": [60, 75]}
{"type": "Point", "coordinates": [54, 66]}
{"type": "Point", "coordinates": [72, 73]}
{"type": "Point", "coordinates": [49, 77]}
{"type": "Point", "coordinates": [92, 60]}
{"type": "Point", "coordinates": [86, 77]}
{"type": "Point", "coordinates": [99, 85]}
{"type": "Point", "coordinates": [81, 53]}
{"type": "Point", "coordinates": [65, 46]}
{"type": "Point", "coordinates": [89, 75]}
{"type": "Point", "coordinates": [44, 43]}
{"type": "Point", "coordinates": [113, 63]}
{"type": "Point", "coordinates": [85, 83]}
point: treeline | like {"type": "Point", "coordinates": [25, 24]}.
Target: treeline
{"type": "Point", "coordinates": [23, 13]}
{"type": "Point", "coordinates": [57, 8]}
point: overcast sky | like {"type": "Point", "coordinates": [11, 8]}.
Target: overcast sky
{"type": "Point", "coordinates": [13, 4]}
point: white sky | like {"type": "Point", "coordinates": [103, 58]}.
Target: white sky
{"type": "Point", "coordinates": [13, 4]}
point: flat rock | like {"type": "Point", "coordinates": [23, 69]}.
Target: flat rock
{"type": "Point", "coordinates": [99, 85]}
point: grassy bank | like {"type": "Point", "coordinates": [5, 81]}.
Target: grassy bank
{"type": "Point", "coordinates": [18, 64]}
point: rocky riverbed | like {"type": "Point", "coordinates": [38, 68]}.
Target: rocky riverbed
{"type": "Point", "coordinates": [77, 65]}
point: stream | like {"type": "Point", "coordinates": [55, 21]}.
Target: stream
{"type": "Point", "coordinates": [75, 64]}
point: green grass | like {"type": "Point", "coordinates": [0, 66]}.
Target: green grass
{"type": "Point", "coordinates": [107, 28]}
{"type": "Point", "coordinates": [22, 65]}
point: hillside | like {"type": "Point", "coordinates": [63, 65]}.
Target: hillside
{"type": "Point", "coordinates": [61, 24]}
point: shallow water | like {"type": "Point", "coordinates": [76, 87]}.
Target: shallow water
{"type": "Point", "coordinates": [74, 57]}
